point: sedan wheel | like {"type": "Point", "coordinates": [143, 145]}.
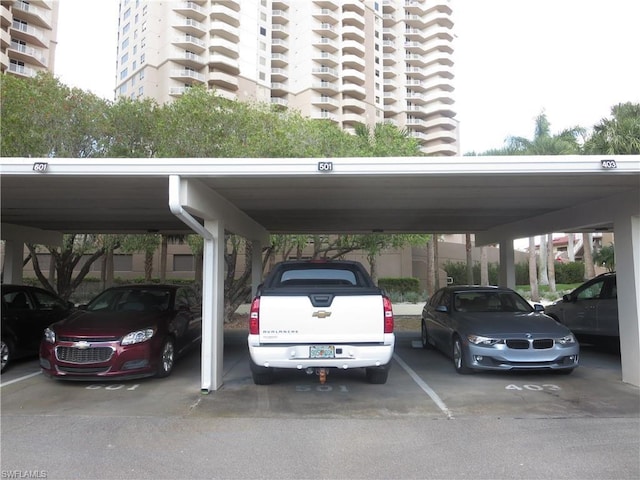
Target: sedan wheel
{"type": "Point", "coordinates": [459, 358]}
{"type": "Point", "coordinates": [5, 353]}
{"type": "Point", "coordinates": [424, 336]}
{"type": "Point", "coordinates": [166, 359]}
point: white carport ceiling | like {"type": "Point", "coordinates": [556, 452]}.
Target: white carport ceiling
{"type": "Point", "coordinates": [426, 194]}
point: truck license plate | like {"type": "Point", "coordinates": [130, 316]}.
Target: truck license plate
{"type": "Point", "coordinates": [322, 351]}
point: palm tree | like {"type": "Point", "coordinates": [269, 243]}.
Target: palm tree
{"type": "Point", "coordinates": [544, 143]}
{"type": "Point", "coordinates": [619, 135]}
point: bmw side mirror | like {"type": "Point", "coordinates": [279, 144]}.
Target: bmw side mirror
{"type": "Point", "coordinates": [442, 309]}
{"type": "Point", "coordinates": [538, 307]}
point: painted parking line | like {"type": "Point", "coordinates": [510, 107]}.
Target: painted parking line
{"type": "Point", "coordinates": [19, 379]}
{"type": "Point", "coordinates": [424, 386]}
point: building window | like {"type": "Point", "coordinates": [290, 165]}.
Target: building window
{"type": "Point", "coordinates": [125, 43]}
{"type": "Point", "coordinates": [263, 31]}
{"type": "Point", "coordinates": [127, 13]}
{"type": "Point", "coordinates": [141, 74]}
{"type": "Point", "coordinates": [124, 58]}
{"type": "Point", "coordinates": [124, 73]}
{"type": "Point", "coordinates": [126, 28]}
{"type": "Point", "coordinates": [183, 263]}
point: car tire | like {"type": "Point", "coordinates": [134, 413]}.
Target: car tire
{"type": "Point", "coordinates": [167, 358]}
{"type": "Point", "coordinates": [377, 375]}
{"type": "Point", "coordinates": [424, 336]}
{"type": "Point", "coordinates": [261, 375]}
{"type": "Point", "coordinates": [459, 358]}
{"type": "Point", "coordinates": [6, 352]}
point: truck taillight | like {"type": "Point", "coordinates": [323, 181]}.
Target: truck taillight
{"type": "Point", "coordinates": [254, 317]}
{"type": "Point", "coordinates": [388, 315]}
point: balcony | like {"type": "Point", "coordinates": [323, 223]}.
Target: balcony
{"type": "Point", "coordinates": [225, 14]}
{"type": "Point", "coordinates": [355, 6]}
{"type": "Point", "coordinates": [353, 19]}
{"type": "Point", "coordinates": [352, 119]}
{"type": "Point", "coordinates": [224, 64]}
{"type": "Point", "coordinates": [325, 88]}
{"type": "Point", "coordinates": [187, 75]}
{"type": "Point", "coordinates": [353, 90]}
{"type": "Point", "coordinates": [353, 61]}
{"type": "Point", "coordinates": [388, 6]}
{"type": "Point", "coordinates": [325, 15]}
{"type": "Point", "coordinates": [325, 58]}
{"type": "Point", "coordinates": [325, 30]}
{"type": "Point", "coordinates": [325, 73]}
{"type": "Point", "coordinates": [22, 70]}
{"type": "Point", "coordinates": [353, 105]}
{"type": "Point", "coordinates": [224, 30]}
{"type": "Point", "coordinates": [388, 46]}
{"type": "Point", "coordinates": [351, 47]}
{"type": "Point", "coordinates": [353, 76]}
{"type": "Point", "coordinates": [189, 42]}
{"type": "Point", "coordinates": [31, 14]}
{"type": "Point", "coordinates": [224, 47]}
{"type": "Point", "coordinates": [415, 7]}
{"type": "Point", "coordinates": [280, 17]}
{"type": "Point", "coordinates": [326, 44]}
{"type": "Point", "coordinates": [279, 88]}
{"type": "Point", "coordinates": [353, 33]}
{"type": "Point", "coordinates": [223, 80]}
{"type": "Point", "coordinates": [389, 98]}
{"type": "Point", "coordinates": [28, 54]}
{"type": "Point", "coordinates": [282, 102]}
{"type": "Point", "coordinates": [279, 74]}
{"type": "Point", "coordinates": [327, 116]}
{"type": "Point", "coordinates": [279, 31]}
{"type": "Point", "coordinates": [390, 84]}
{"type": "Point", "coordinates": [191, 10]}
{"type": "Point", "coordinates": [28, 33]}
{"type": "Point", "coordinates": [279, 60]}
{"type": "Point", "coordinates": [327, 4]}
{"type": "Point", "coordinates": [279, 45]}
{"type": "Point", "coordinates": [325, 102]}
{"type": "Point", "coordinates": [189, 26]}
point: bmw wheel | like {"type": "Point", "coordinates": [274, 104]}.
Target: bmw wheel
{"type": "Point", "coordinates": [459, 358]}
{"type": "Point", "coordinates": [167, 357]}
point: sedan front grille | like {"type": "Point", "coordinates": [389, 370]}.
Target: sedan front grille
{"type": "Point", "coordinates": [84, 355]}
{"type": "Point", "coordinates": [540, 344]}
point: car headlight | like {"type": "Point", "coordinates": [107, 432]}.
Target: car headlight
{"type": "Point", "coordinates": [49, 335]}
{"type": "Point", "coordinates": [483, 341]}
{"type": "Point", "coordinates": [566, 340]}
{"type": "Point", "coordinates": [138, 336]}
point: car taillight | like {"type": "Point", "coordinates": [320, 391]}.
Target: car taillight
{"type": "Point", "coordinates": [254, 317]}
{"type": "Point", "coordinates": [388, 315]}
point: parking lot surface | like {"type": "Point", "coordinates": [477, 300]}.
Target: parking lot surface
{"type": "Point", "coordinates": [426, 422]}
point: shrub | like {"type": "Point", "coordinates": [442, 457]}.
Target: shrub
{"type": "Point", "coordinates": [569, 272]}
{"type": "Point", "coordinates": [401, 285]}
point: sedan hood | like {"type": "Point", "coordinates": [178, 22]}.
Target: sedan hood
{"type": "Point", "coordinates": [508, 323]}
{"type": "Point", "coordinates": [107, 324]}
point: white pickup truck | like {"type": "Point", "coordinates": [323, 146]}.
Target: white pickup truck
{"type": "Point", "coordinates": [316, 316]}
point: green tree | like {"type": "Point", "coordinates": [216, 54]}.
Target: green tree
{"type": "Point", "coordinates": [147, 244]}
{"type": "Point", "coordinates": [42, 117]}
{"type": "Point", "coordinates": [76, 251]}
{"type": "Point", "coordinates": [618, 135]}
{"type": "Point", "coordinates": [606, 257]}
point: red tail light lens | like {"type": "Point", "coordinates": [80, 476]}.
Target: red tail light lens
{"type": "Point", "coordinates": [254, 317]}
{"type": "Point", "coordinates": [388, 315]}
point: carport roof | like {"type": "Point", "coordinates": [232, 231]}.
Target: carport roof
{"type": "Point", "coordinates": [292, 195]}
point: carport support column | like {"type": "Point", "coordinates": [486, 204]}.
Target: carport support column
{"type": "Point", "coordinates": [256, 266]}
{"type": "Point", "coordinates": [507, 264]}
{"type": "Point", "coordinates": [627, 232]}
{"type": "Point", "coordinates": [213, 307]}
{"type": "Point", "coordinates": [13, 258]}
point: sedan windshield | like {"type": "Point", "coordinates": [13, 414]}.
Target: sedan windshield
{"type": "Point", "coordinates": [490, 301]}
{"type": "Point", "coordinates": [131, 299]}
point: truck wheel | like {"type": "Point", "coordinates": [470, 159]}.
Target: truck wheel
{"type": "Point", "coordinates": [6, 352]}
{"type": "Point", "coordinates": [377, 375]}
{"type": "Point", "coordinates": [261, 375]}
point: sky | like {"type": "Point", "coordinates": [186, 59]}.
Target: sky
{"type": "Point", "coordinates": [514, 59]}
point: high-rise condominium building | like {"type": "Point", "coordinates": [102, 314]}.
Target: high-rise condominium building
{"type": "Point", "coordinates": [28, 31]}
{"type": "Point", "coordinates": [348, 61]}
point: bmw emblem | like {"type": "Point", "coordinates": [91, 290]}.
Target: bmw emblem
{"type": "Point", "coordinates": [528, 335]}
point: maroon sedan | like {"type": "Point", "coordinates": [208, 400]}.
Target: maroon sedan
{"type": "Point", "coordinates": [125, 332]}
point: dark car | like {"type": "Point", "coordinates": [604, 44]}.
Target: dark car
{"type": "Point", "coordinates": [125, 332]}
{"type": "Point", "coordinates": [492, 328]}
{"type": "Point", "coordinates": [591, 310]}
{"type": "Point", "coordinates": [26, 312]}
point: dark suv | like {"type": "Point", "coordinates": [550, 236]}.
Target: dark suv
{"type": "Point", "coordinates": [591, 310]}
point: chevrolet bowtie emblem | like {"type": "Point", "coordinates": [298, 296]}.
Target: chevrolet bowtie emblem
{"type": "Point", "coordinates": [322, 314]}
{"type": "Point", "coordinates": [82, 345]}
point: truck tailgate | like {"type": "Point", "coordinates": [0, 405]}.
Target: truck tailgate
{"type": "Point", "coordinates": [349, 319]}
